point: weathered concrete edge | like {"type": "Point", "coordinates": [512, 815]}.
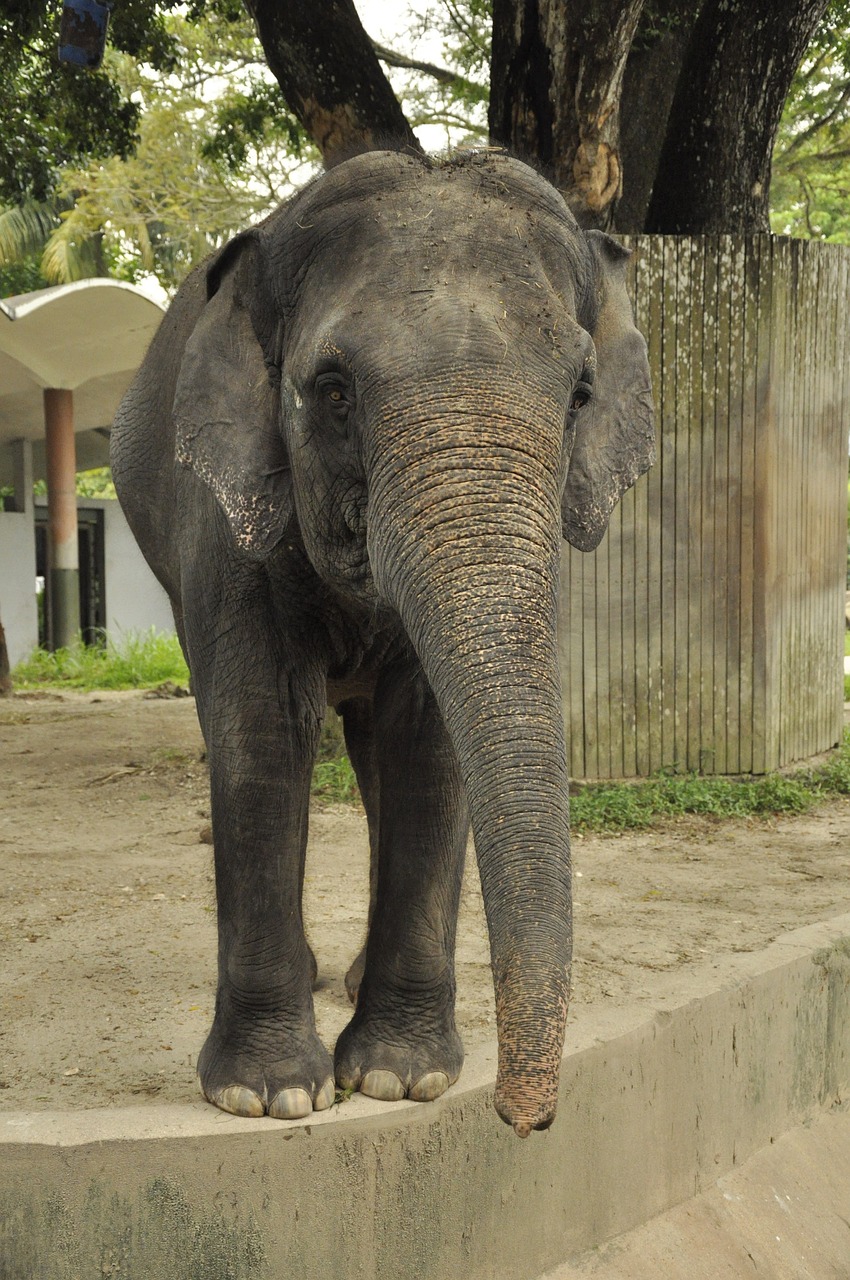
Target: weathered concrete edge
{"type": "Point", "coordinates": [653, 1109]}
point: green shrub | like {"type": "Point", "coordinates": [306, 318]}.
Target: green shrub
{"type": "Point", "coordinates": [635, 805]}
{"type": "Point", "coordinates": [135, 660]}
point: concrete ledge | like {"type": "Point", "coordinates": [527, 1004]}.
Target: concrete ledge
{"type": "Point", "coordinates": [784, 1215]}
{"type": "Point", "coordinates": [654, 1108]}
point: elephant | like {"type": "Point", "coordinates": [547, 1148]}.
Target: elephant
{"type": "Point", "coordinates": [350, 456]}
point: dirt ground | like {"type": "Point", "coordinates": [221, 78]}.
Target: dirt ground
{"type": "Point", "coordinates": [107, 920]}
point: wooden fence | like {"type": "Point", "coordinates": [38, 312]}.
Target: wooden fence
{"type": "Point", "coordinates": [706, 632]}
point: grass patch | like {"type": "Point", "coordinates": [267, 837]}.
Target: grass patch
{"type": "Point", "coordinates": [137, 660]}
{"type": "Point", "coordinates": [333, 774]}
{"type": "Point", "coordinates": [334, 781]}
{"type": "Point", "coordinates": [633, 806]}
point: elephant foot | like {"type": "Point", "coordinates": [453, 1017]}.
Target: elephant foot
{"type": "Point", "coordinates": [259, 1068]}
{"type": "Point", "coordinates": [394, 1062]}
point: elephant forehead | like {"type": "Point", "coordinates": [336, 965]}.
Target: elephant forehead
{"type": "Point", "coordinates": [443, 333]}
{"type": "Point", "coordinates": [436, 232]}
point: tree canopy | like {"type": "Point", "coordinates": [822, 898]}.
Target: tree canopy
{"type": "Point", "coordinates": [204, 143]}
{"type": "Point", "coordinates": [659, 115]}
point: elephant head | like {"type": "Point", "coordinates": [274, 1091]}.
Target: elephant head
{"type": "Point", "coordinates": [426, 372]}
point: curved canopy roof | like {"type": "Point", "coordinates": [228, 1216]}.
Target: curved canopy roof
{"type": "Point", "coordinates": [88, 337]}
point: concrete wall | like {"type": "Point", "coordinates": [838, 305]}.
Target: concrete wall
{"type": "Point", "coordinates": [134, 599]}
{"type": "Point", "coordinates": [655, 1106]}
{"type": "Point", "coordinates": [17, 583]}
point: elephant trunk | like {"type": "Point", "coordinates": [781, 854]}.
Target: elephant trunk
{"type": "Point", "coordinates": [464, 543]}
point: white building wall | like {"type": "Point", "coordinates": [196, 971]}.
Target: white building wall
{"type": "Point", "coordinates": [18, 612]}
{"type": "Point", "coordinates": [134, 599]}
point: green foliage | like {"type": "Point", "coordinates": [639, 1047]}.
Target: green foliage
{"type": "Point", "coordinates": [212, 147]}
{"type": "Point", "coordinates": [333, 776]}
{"type": "Point", "coordinates": [334, 781]}
{"type": "Point", "coordinates": [50, 115]}
{"type": "Point", "coordinates": [96, 483]}
{"type": "Point", "coordinates": [810, 189]}
{"type": "Point", "coordinates": [631, 806]}
{"type": "Point", "coordinates": [136, 660]}
{"type": "Point", "coordinates": [24, 275]}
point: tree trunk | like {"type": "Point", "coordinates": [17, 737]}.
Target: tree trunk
{"type": "Point", "coordinates": [5, 670]}
{"type": "Point", "coordinates": [649, 86]}
{"type": "Point", "coordinates": [330, 76]}
{"type": "Point", "coordinates": [555, 84]}
{"type": "Point", "coordinates": [714, 169]}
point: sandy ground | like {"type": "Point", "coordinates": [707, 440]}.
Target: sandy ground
{"type": "Point", "coordinates": [107, 922]}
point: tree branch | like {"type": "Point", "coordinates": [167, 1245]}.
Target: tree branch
{"type": "Point", "coordinates": [802, 138]}
{"type": "Point", "coordinates": [441, 74]}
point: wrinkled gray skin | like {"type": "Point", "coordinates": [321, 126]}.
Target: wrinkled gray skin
{"type": "Point", "coordinates": [349, 457]}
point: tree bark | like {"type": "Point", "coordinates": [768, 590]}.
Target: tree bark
{"type": "Point", "coordinates": [649, 86]}
{"type": "Point", "coordinates": [555, 85]}
{"type": "Point", "coordinates": [5, 670]}
{"type": "Point", "coordinates": [714, 168]}
{"type": "Point", "coordinates": [330, 76]}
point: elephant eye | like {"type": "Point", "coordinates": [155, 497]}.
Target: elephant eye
{"type": "Point", "coordinates": [335, 394]}
{"type": "Point", "coordinates": [582, 393]}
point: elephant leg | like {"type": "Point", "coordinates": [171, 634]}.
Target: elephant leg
{"type": "Point", "coordinates": [358, 726]}
{"type": "Point", "coordinates": [402, 1040]}
{"type": "Point", "coordinates": [261, 715]}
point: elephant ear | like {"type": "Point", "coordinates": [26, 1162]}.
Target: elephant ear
{"type": "Point", "coordinates": [226, 405]}
{"type": "Point", "coordinates": [615, 435]}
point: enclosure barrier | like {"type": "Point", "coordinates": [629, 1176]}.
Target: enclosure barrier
{"type": "Point", "coordinates": [655, 1106]}
{"type": "Point", "coordinates": [706, 632]}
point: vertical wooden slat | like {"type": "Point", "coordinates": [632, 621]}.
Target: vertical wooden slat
{"type": "Point", "coordinates": [769, 372]}
{"type": "Point", "coordinates": [695, 529]}
{"type": "Point", "coordinates": [623, 606]}
{"type": "Point", "coordinates": [667, 462]}
{"type": "Point", "coordinates": [710, 757]}
{"type": "Point", "coordinates": [565, 659]}
{"type": "Point", "coordinates": [645, 537]}
{"type": "Point", "coordinates": [807, 568]}
{"type": "Point", "coordinates": [729, 453]}
{"type": "Point", "coordinates": [590, 671]}
{"type": "Point", "coordinates": [679, 641]}
{"type": "Point", "coordinates": [570, 618]}
{"type": "Point", "coordinates": [628, 613]}
{"type": "Point", "coordinates": [726, 691]}
{"type": "Point", "coordinates": [788, 543]}
{"type": "Point", "coordinates": [751, 684]}
{"type": "Point", "coordinates": [841, 394]}
{"type": "Point", "coordinates": [771, 621]}
{"type": "Point", "coordinates": [655, 540]}
{"type": "Point", "coordinates": [602, 644]}
{"type": "Point", "coordinates": [742, 505]}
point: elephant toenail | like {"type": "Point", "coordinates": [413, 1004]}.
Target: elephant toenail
{"type": "Point", "coordinates": [384, 1085]}
{"type": "Point", "coordinates": [429, 1086]}
{"type": "Point", "coordinates": [325, 1096]}
{"type": "Point", "coordinates": [239, 1101]}
{"type": "Point", "coordinates": [291, 1104]}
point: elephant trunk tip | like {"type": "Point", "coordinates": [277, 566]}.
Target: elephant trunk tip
{"type": "Point", "coordinates": [523, 1120]}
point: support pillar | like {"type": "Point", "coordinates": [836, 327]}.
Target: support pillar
{"type": "Point", "coordinates": [62, 516]}
{"type": "Point", "coordinates": [21, 477]}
